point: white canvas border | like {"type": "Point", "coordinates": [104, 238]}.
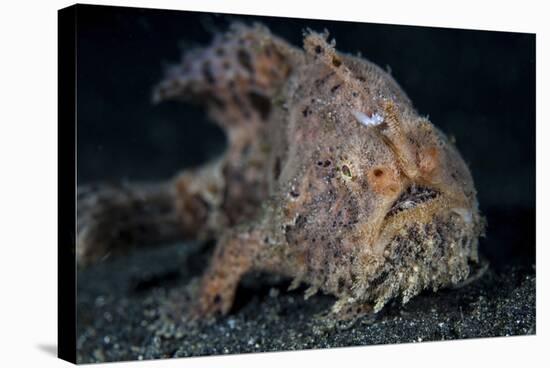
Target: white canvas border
{"type": "Point", "coordinates": [28, 158]}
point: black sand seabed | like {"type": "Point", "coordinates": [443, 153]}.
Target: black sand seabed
{"type": "Point", "coordinates": [121, 302]}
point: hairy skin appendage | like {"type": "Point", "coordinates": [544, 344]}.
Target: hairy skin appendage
{"type": "Point", "coordinates": [330, 178]}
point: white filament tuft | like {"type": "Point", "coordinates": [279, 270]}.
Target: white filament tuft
{"type": "Point", "coordinates": [373, 120]}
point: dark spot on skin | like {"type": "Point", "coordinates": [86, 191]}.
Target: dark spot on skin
{"type": "Point", "coordinates": [277, 168]}
{"type": "Point", "coordinates": [333, 89]}
{"type": "Point", "coordinates": [244, 59]}
{"type": "Point", "coordinates": [336, 62]}
{"type": "Point", "coordinates": [300, 221]}
{"type": "Point", "coordinates": [260, 103]}
{"type": "Point", "coordinates": [346, 171]}
{"type": "Point", "coordinates": [380, 278]}
{"type": "Point", "coordinates": [326, 163]}
{"type": "Point", "coordinates": [320, 82]}
{"type": "Point", "coordinates": [354, 94]}
{"type": "Point", "coordinates": [378, 172]}
{"type": "Point", "coordinates": [318, 49]}
{"type": "Point", "coordinates": [305, 111]}
{"type": "Point", "coordinates": [341, 284]}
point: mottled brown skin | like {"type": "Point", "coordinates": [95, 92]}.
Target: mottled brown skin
{"type": "Point", "coordinates": [365, 212]}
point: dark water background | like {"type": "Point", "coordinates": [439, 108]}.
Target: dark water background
{"type": "Point", "coordinates": [478, 86]}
